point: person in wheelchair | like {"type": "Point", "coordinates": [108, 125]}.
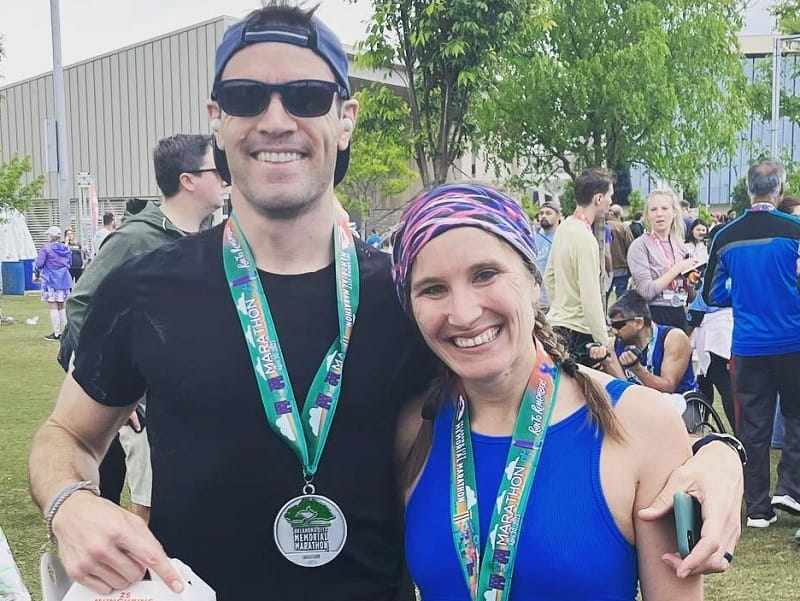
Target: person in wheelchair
{"type": "Point", "coordinates": [647, 353]}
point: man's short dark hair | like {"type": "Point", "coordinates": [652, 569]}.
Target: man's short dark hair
{"type": "Point", "coordinates": [108, 218]}
{"type": "Point", "coordinates": [281, 12]}
{"type": "Point", "coordinates": [685, 204]}
{"type": "Point", "coordinates": [181, 153]}
{"type": "Point", "coordinates": [590, 182]}
{"type": "Point", "coordinates": [766, 178]}
{"type": "Point", "coordinates": [630, 305]}
{"type": "Point", "coordinates": [637, 216]}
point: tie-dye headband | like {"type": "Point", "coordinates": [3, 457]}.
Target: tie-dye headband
{"type": "Point", "coordinates": [456, 205]}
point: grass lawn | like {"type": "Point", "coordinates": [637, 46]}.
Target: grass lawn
{"type": "Point", "coordinates": [767, 564]}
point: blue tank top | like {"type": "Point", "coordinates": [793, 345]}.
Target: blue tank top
{"type": "Point", "coordinates": [653, 357]}
{"type": "Point", "coordinates": [570, 549]}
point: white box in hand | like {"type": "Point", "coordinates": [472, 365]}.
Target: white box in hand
{"type": "Point", "coordinates": [57, 586]}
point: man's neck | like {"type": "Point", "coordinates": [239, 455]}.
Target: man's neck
{"type": "Point", "coordinates": [288, 246]}
{"type": "Point", "coordinates": [183, 213]}
{"type": "Point", "coordinates": [587, 214]}
{"type": "Point", "coordinates": [643, 340]}
{"type": "Point", "coordinates": [772, 200]}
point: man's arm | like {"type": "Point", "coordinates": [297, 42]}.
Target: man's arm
{"type": "Point", "coordinates": [588, 260]}
{"type": "Point", "coordinates": [677, 353]}
{"type": "Point", "coordinates": [102, 546]}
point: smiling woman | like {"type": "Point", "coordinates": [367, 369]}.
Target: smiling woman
{"type": "Point", "coordinates": [512, 408]}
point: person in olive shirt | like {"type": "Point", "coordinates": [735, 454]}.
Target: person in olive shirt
{"type": "Point", "coordinates": [572, 277]}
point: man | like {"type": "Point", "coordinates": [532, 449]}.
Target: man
{"type": "Point", "coordinates": [573, 274]}
{"type": "Point", "coordinates": [109, 225]}
{"type": "Point", "coordinates": [549, 218]}
{"type": "Point", "coordinates": [224, 473]}
{"type": "Point", "coordinates": [753, 267]}
{"type": "Point", "coordinates": [374, 239]}
{"type": "Point", "coordinates": [636, 225]}
{"type": "Point", "coordinates": [621, 238]}
{"type": "Point", "coordinates": [661, 355]}
{"type": "Point", "coordinates": [192, 190]}
{"type": "Point", "coordinates": [686, 214]}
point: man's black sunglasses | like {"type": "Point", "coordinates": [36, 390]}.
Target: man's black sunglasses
{"type": "Point", "coordinates": [620, 323]}
{"type": "Point", "coordinates": [302, 98]}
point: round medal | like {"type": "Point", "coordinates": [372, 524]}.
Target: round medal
{"type": "Point", "coordinates": [310, 530]}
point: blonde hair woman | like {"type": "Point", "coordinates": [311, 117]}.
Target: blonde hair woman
{"type": "Point", "coordinates": [659, 260]}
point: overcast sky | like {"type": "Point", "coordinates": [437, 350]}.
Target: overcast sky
{"type": "Point", "coordinates": [92, 27]}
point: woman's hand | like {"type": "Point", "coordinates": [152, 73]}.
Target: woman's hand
{"type": "Point", "coordinates": [714, 477]}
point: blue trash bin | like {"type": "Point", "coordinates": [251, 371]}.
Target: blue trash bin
{"type": "Point", "coordinates": [13, 274]}
{"type": "Point", "coordinates": [27, 265]}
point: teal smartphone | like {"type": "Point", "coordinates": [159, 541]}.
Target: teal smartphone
{"type": "Point", "coordinates": [688, 522]}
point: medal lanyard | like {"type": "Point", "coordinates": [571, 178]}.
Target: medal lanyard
{"type": "Point", "coordinates": [669, 259]}
{"type": "Point", "coordinates": [305, 436]}
{"type": "Point", "coordinates": [491, 578]}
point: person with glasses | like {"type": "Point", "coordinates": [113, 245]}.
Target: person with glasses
{"type": "Point", "coordinates": [276, 360]}
{"type": "Point", "coordinates": [192, 189]}
{"type": "Point", "coordinates": [648, 353]}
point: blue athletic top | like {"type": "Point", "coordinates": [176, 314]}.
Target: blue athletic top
{"type": "Point", "coordinates": [571, 548]}
{"type": "Point", "coordinates": [753, 267]}
{"type": "Point", "coordinates": [654, 357]}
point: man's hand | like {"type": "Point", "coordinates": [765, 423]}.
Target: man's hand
{"type": "Point", "coordinates": [105, 548]}
{"type": "Point", "coordinates": [714, 477]}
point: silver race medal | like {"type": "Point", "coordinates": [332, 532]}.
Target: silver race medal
{"type": "Point", "coordinates": [310, 530]}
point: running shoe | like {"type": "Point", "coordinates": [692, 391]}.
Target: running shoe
{"type": "Point", "coordinates": [786, 503]}
{"type": "Point", "coordinates": [53, 337]}
{"type": "Point", "coordinates": [759, 522]}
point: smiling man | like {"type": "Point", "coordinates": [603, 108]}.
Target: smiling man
{"type": "Point", "coordinates": [255, 485]}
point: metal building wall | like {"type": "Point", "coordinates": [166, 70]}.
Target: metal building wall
{"type": "Point", "coordinates": [118, 106]}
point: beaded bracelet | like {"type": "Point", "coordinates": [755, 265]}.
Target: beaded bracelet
{"type": "Point", "coordinates": [64, 494]}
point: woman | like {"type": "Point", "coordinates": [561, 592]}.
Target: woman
{"type": "Point", "coordinates": [464, 270]}
{"type": "Point", "coordinates": [52, 267]}
{"type": "Point", "coordinates": [659, 261]}
{"type": "Point", "coordinates": [76, 268]}
{"type": "Point", "coordinates": [696, 241]}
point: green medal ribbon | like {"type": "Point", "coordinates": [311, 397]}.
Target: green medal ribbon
{"type": "Point", "coordinates": [489, 579]}
{"type": "Point", "coordinates": [305, 436]}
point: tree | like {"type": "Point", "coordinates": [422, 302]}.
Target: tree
{"type": "Point", "coordinates": [380, 153]}
{"type": "Point", "coordinates": [445, 51]}
{"type": "Point", "coordinates": [14, 194]}
{"type": "Point", "coordinates": [619, 83]}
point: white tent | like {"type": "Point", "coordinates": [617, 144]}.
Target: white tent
{"type": "Point", "coordinates": [16, 243]}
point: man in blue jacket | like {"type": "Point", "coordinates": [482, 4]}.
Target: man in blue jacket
{"type": "Point", "coordinates": [754, 266]}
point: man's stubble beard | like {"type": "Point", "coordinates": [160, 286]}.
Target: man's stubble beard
{"type": "Point", "coordinates": [276, 208]}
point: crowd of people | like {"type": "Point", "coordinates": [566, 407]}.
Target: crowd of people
{"type": "Point", "coordinates": [459, 370]}
{"type": "Point", "coordinates": [697, 318]}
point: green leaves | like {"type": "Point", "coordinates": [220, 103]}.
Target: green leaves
{"type": "Point", "coordinates": [14, 192]}
{"type": "Point", "coordinates": [656, 83]}
{"type": "Point", "coordinates": [381, 152]}
{"type": "Point", "coordinates": [446, 50]}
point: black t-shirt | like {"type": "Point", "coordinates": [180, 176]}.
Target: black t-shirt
{"type": "Point", "coordinates": [165, 322]}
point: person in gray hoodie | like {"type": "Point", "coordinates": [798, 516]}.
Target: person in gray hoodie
{"type": "Point", "coordinates": [192, 189]}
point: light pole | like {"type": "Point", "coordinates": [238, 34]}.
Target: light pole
{"type": "Point", "coordinates": [64, 183]}
{"type": "Point", "coordinates": [777, 52]}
